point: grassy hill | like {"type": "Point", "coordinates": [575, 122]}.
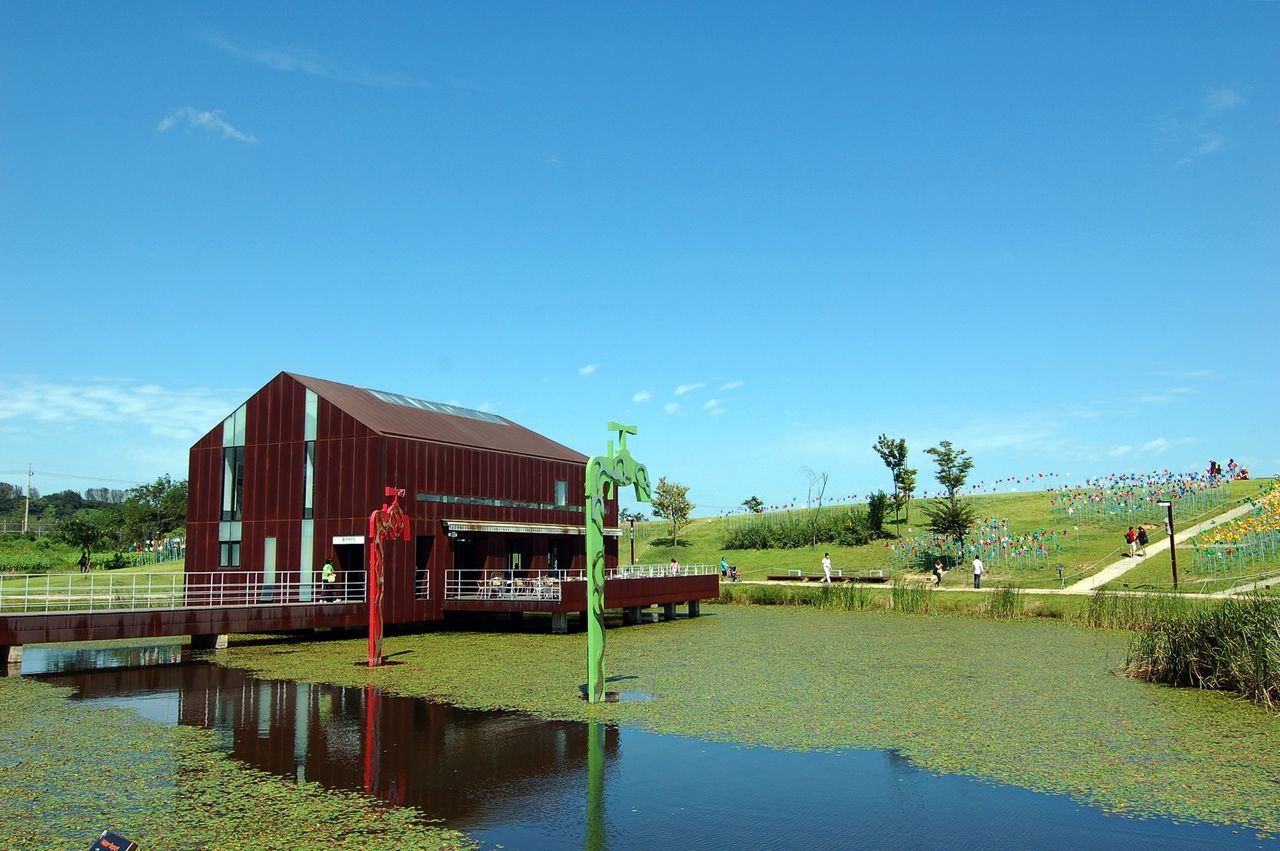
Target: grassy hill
{"type": "Point", "coordinates": [1095, 544]}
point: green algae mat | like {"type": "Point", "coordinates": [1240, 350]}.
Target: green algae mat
{"type": "Point", "coordinates": [1034, 703]}
{"type": "Point", "coordinates": [68, 771]}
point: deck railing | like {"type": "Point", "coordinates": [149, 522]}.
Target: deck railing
{"type": "Point", "coordinates": [48, 593]}
{"type": "Point", "coordinates": [472, 585]}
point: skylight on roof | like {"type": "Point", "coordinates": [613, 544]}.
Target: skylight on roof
{"type": "Point", "coordinates": [436, 407]}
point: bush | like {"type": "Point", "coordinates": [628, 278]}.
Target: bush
{"type": "Point", "coordinates": [792, 530]}
{"type": "Point", "coordinates": [26, 562]}
{"type": "Point", "coordinates": [911, 597]}
{"type": "Point", "coordinates": [877, 508]}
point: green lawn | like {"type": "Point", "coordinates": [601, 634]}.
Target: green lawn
{"type": "Point", "coordinates": [1093, 547]}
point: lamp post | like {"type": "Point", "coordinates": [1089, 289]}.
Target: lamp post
{"type": "Point", "coordinates": [1168, 527]}
{"type": "Point", "coordinates": [633, 540]}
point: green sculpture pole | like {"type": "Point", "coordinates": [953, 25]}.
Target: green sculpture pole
{"type": "Point", "coordinates": [605, 474]}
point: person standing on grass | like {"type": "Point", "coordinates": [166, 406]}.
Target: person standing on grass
{"type": "Point", "coordinates": [826, 568]}
{"type": "Point", "coordinates": [977, 572]}
{"type": "Point", "coordinates": [937, 572]}
{"type": "Point", "coordinates": [1142, 541]}
{"type": "Point", "coordinates": [1132, 540]}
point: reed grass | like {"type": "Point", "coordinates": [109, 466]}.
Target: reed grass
{"type": "Point", "coordinates": [910, 597]}
{"type": "Point", "coordinates": [1140, 612]}
{"type": "Point", "coordinates": [1005, 602]}
{"type": "Point", "coordinates": [1233, 646]}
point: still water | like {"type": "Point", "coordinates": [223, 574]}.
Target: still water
{"type": "Point", "coordinates": [521, 783]}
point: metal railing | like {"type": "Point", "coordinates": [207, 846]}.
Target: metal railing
{"type": "Point", "coordinates": [472, 585]}
{"type": "Point", "coordinates": [47, 593]}
{"type": "Point", "coordinates": [469, 585]}
{"type": "Point", "coordinates": [422, 585]}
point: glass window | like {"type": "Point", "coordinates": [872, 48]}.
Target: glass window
{"type": "Point", "coordinates": [312, 415]}
{"type": "Point", "coordinates": [232, 482]}
{"type": "Point", "coordinates": [309, 480]}
{"type": "Point", "coordinates": [562, 493]}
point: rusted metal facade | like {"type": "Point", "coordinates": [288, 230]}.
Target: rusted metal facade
{"type": "Point", "coordinates": [452, 468]}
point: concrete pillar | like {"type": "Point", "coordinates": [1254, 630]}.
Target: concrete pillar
{"type": "Point", "coordinates": [668, 611]}
{"type": "Point", "coordinates": [631, 615]}
{"type": "Point", "coordinates": [11, 661]}
{"type": "Point", "coordinates": [517, 618]}
{"type": "Point", "coordinates": [559, 623]}
{"type": "Point", "coordinates": [695, 608]}
{"type": "Point", "coordinates": [208, 642]}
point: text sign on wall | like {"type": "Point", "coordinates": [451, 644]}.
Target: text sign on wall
{"type": "Point", "coordinates": [348, 539]}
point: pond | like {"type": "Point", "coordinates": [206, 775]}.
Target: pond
{"type": "Point", "coordinates": [514, 781]}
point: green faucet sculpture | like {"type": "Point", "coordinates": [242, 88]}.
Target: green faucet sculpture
{"type": "Point", "coordinates": [605, 474]}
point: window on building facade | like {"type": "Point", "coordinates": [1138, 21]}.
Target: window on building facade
{"type": "Point", "coordinates": [562, 493]}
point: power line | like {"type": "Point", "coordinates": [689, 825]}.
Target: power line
{"type": "Point", "coordinates": [69, 476]}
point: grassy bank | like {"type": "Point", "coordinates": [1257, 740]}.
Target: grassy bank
{"type": "Point", "coordinates": [1035, 702]}
{"type": "Point", "coordinates": [71, 770]}
{"type": "Point", "coordinates": [1094, 545]}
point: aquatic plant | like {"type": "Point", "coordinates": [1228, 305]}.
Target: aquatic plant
{"type": "Point", "coordinates": [1005, 602]}
{"type": "Point", "coordinates": [1233, 646]}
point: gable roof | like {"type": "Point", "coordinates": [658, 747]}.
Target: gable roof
{"type": "Point", "coordinates": [393, 415]}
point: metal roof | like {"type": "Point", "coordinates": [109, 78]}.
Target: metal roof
{"type": "Point", "coordinates": [436, 422]}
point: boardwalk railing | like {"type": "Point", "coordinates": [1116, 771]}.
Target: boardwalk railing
{"type": "Point", "coordinates": [46, 593]}
{"type": "Point", "coordinates": [472, 585]}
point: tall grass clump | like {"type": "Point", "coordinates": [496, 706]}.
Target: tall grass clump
{"type": "Point", "coordinates": [758, 595]}
{"type": "Point", "coordinates": [1005, 602]}
{"type": "Point", "coordinates": [1234, 646]}
{"type": "Point", "coordinates": [910, 597]}
{"type": "Point", "coordinates": [1108, 610]}
{"type": "Point", "coordinates": [844, 597]}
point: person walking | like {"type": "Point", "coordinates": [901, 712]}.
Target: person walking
{"type": "Point", "coordinates": [937, 572]}
{"type": "Point", "coordinates": [1132, 540]}
{"type": "Point", "coordinates": [977, 572]}
{"type": "Point", "coordinates": [1142, 541]}
{"type": "Point", "coordinates": [328, 580]}
{"type": "Point", "coordinates": [674, 567]}
{"type": "Point", "coordinates": [826, 568]}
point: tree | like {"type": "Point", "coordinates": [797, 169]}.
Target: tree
{"type": "Point", "coordinates": [671, 502]}
{"type": "Point", "coordinates": [753, 504]}
{"type": "Point", "coordinates": [156, 508]}
{"type": "Point", "coordinates": [626, 515]}
{"type": "Point", "coordinates": [83, 530]}
{"type": "Point", "coordinates": [950, 515]}
{"type": "Point", "coordinates": [893, 452]}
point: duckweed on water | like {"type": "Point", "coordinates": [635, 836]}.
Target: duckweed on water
{"type": "Point", "coordinates": [70, 770]}
{"type": "Point", "coordinates": [1034, 703]}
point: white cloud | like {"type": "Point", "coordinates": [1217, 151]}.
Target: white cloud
{"type": "Point", "coordinates": [1220, 100]}
{"type": "Point", "coordinates": [671, 407]}
{"type": "Point", "coordinates": [1157, 445]}
{"type": "Point", "coordinates": [1151, 399]}
{"type": "Point", "coordinates": [1210, 143]}
{"type": "Point", "coordinates": [1117, 451]}
{"type": "Point", "coordinates": [689, 388]}
{"type": "Point", "coordinates": [210, 120]}
{"type": "Point", "coordinates": [587, 369]}
{"type": "Point", "coordinates": [713, 406]}
{"type": "Point", "coordinates": [642, 396]}
{"type": "Point", "coordinates": [296, 61]}
{"type": "Point", "coordinates": [183, 414]}
{"type": "Point", "coordinates": [732, 385]}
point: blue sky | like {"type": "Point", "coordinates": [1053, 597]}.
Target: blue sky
{"type": "Point", "coordinates": [764, 233]}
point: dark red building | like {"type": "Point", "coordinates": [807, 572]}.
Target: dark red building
{"type": "Point", "coordinates": [496, 511]}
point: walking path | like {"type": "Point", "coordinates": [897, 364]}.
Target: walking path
{"type": "Point", "coordinates": [1125, 564]}
{"type": "Point", "coordinates": [1267, 582]}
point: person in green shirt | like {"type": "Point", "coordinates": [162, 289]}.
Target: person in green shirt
{"type": "Point", "coordinates": [328, 580]}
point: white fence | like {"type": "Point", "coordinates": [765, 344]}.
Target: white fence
{"type": "Point", "coordinates": [48, 593]}
{"type": "Point", "coordinates": [472, 585]}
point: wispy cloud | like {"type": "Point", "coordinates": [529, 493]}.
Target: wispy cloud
{"type": "Point", "coordinates": [553, 160]}
{"type": "Point", "coordinates": [713, 406]}
{"type": "Point", "coordinates": [671, 407]}
{"type": "Point", "coordinates": [210, 120]}
{"type": "Point", "coordinates": [180, 414]}
{"type": "Point", "coordinates": [689, 388]}
{"type": "Point", "coordinates": [732, 385]}
{"type": "Point", "coordinates": [299, 61]}
{"type": "Point", "coordinates": [642, 396]}
{"type": "Point", "coordinates": [1153, 399]}
{"type": "Point", "coordinates": [1118, 451]}
{"type": "Point", "coordinates": [587, 369]}
{"type": "Point", "coordinates": [1157, 445]}
{"type": "Point", "coordinates": [1205, 135]}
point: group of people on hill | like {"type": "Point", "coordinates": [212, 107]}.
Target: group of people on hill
{"type": "Point", "coordinates": [1234, 471]}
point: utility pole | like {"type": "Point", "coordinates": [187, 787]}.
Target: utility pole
{"type": "Point", "coordinates": [26, 508]}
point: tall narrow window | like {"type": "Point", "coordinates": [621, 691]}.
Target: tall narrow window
{"type": "Point", "coordinates": [233, 441]}
{"type": "Point", "coordinates": [562, 493]}
{"type": "Point", "coordinates": [309, 481]}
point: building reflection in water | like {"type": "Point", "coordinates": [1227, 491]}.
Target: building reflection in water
{"type": "Point", "coordinates": [469, 768]}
